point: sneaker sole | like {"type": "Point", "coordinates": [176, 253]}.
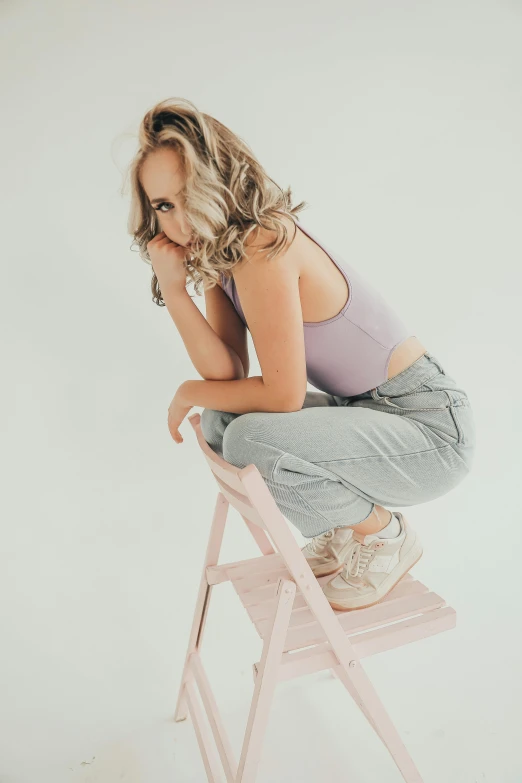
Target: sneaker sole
{"type": "Point", "coordinates": [335, 605]}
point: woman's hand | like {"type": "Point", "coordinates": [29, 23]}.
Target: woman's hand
{"type": "Point", "coordinates": [168, 261]}
{"type": "Point", "coordinates": [178, 410]}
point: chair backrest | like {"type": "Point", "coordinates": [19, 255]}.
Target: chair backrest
{"type": "Point", "coordinates": [229, 477]}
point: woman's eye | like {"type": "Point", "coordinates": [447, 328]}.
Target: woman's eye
{"type": "Point", "coordinates": [163, 204]}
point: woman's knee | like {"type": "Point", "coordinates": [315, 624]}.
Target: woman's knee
{"type": "Point", "coordinates": [235, 437]}
{"type": "Point", "coordinates": [207, 422]}
{"type": "Point", "coordinates": [214, 424]}
{"type": "Point", "coordinates": [245, 439]}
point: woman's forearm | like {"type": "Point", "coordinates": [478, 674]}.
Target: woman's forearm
{"type": "Point", "coordinates": [212, 358]}
{"type": "Point", "coordinates": [244, 395]}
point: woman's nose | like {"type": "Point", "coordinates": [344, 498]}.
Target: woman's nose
{"type": "Point", "coordinates": [184, 226]}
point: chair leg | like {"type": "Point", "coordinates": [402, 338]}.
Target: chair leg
{"type": "Point", "coordinates": [365, 696]}
{"type": "Point", "coordinates": [211, 558]}
{"type": "Point", "coordinates": [206, 747]}
{"type": "Point", "coordinates": [266, 682]}
{"type": "Point", "coordinates": [345, 680]}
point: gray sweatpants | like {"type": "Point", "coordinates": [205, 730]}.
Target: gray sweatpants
{"type": "Point", "coordinates": [410, 440]}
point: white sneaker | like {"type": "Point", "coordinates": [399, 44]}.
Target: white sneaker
{"type": "Point", "coordinates": [373, 567]}
{"type": "Point", "coordinates": [327, 552]}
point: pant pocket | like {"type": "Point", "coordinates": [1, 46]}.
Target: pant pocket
{"type": "Point", "coordinates": [424, 398]}
{"type": "Point", "coordinates": [464, 418]}
{"type": "Point", "coordinates": [446, 412]}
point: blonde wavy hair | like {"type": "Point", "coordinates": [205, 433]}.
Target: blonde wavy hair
{"type": "Point", "coordinates": [228, 193]}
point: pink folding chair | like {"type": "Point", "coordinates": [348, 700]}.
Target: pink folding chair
{"type": "Point", "coordinates": [300, 631]}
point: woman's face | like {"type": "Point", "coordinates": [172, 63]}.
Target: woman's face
{"type": "Point", "coordinates": [163, 180]}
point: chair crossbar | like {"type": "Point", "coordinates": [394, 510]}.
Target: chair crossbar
{"type": "Point", "coordinates": [227, 571]}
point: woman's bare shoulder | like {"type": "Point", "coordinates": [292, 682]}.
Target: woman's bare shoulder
{"type": "Point", "coordinates": [261, 236]}
{"type": "Point", "coordinates": [259, 239]}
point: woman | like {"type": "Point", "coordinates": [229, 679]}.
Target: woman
{"type": "Point", "coordinates": [388, 425]}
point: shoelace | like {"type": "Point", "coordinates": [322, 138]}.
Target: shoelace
{"type": "Point", "coordinates": [319, 541]}
{"type": "Point", "coordinates": [361, 555]}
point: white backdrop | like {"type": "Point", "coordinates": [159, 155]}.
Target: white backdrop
{"type": "Point", "coordinates": [400, 124]}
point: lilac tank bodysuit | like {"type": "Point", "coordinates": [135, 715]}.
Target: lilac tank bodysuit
{"type": "Point", "coordinates": [349, 353]}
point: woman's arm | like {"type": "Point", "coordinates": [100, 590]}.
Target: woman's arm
{"type": "Point", "coordinates": [269, 294]}
{"type": "Point", "coordinates": [212, 358]}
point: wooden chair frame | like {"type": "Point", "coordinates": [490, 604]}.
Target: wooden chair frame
{"type": "Point", "coordinates": [301, 632]}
